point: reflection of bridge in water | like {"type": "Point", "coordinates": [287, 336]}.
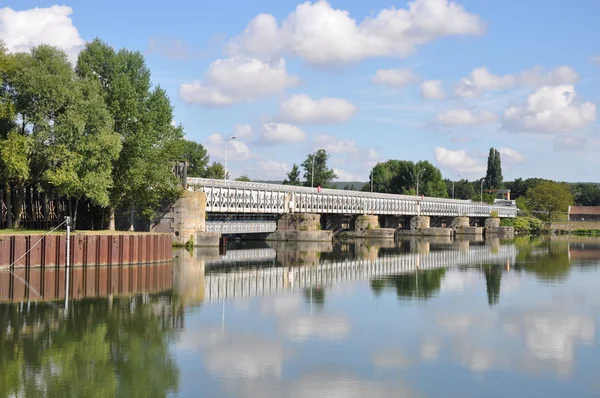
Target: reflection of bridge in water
{"type": "Point", "coordinates": [263, 272]}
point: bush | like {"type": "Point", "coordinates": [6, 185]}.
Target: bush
{"type": "Point", "coordinates": [527, 225]}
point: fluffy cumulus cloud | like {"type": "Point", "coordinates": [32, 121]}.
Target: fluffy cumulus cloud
{"type": "Point", "coordinates": [481, 80]}
{"type": "Point", "coordinates": [321, 34]}
{"type": "Point", "coordinates": [511, 155]}
{"type": "Point", "coordinates": [22, 30]}
{"type": "Point", "coordinates": [333, 145]}
{"type": "Point", "coordinates": [237, 79]}
{"type": "Point", "coordinates": [550, 110]}
{"type": "Point", "coordinates": [268, 169]}
{"type": "Point", "coordinates": [433, 90]}
{"type": "Point", "coordinates": [460, 162]}
{"type": "Point", "coordinates": [465, 117]}
{"type": "Point", "coordinates": [397, 77]}
{"type": "Point", "coordinates": [236, 149]}
{"type": "Point", "coordinates": [242, 131]}
{"type": "Point", "coordinates": [303, 109]}
{"type": "Point", "coordinates": [281, 133]}
{"type": "Point", "coordinates": [573, 143]}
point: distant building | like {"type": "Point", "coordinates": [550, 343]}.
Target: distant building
{"type": "Point", "coordinates": [584, 213]}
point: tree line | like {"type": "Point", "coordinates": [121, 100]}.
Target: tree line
{"type": "Point", "coordinates": [97, 132]}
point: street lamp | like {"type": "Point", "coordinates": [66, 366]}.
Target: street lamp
{"type": "Point", "coordinates": [233, 137]}
{"type": "Point", "coordinates": [453, 186]}
{"type": "Point", "coordinates": [481, 190]}
{"type": "Point", "coordinates": [418, 180]}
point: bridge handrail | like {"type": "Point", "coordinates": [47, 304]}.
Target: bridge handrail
{"type": "Point", "coordinates": [194, 181]}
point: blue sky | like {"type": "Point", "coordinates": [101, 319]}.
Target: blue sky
{"type": "Point", "coordinates": [428, 79]}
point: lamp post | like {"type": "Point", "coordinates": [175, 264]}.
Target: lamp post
{"type": "Point", "coordinates": [481, 189]}
{"type": "Point", "coordinates": [312, 173]}
{"type": "Point", "coordinates": [419, 173]}
{"type": "Point", "coordinates": [453, 186]}
{"type": "Point", "coordinates": [233, 137]}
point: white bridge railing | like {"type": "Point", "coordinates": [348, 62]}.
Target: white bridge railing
{"type": "Point", "coordinates": [251, 197]}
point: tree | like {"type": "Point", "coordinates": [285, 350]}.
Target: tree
{"type": "Point", "coordinates": [549, 198]}
{"type": "Point", "coordinates": [323, 176]}
{"type": "Point", "coordinates": [463, 189]}
{"type": "Point", "coordinates": [293, 177]}
{"type": "Point", "coordinates": [400, 177]}
{"type": "Point", "coordinates": [196, 156]}
{"type": "Point", "coordinates": [7, 105]}
{"type": "Point", "coordinates": [587, 194]}
{"type": "Point", "coordinates": [14, 165]}
{"type": "Point", "coordinates": [244, 178]}
{"type": "Point", "coordinates": [215, 171]}
{"type": "Point", "coordinates": [143, 117]}
{"type": "Point", "coordinates": [431, 182]}
{"type": "Point", "coordinates": [493, 176]}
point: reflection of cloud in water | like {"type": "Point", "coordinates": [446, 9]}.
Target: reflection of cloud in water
{"type": "Point", "coordinates": [245, 357]}
{"type": "Point", "coordinates": [324, 384]}
{"type": "Point", "coordinates": [391, 359]}
{"type": "Point", "coordinates": [300, 328]}
{"type": "Point", "coordinates": [281, 305]}
{"type": "Point", "coordinates": [550, 337]}
{"type": "Point", "coordinates": [429, 349]}
{"type": "Point", "coordinates": [462, 323]}
{"type": "Point", "coordinates": [457, 281]}
{"type": "Point", "coordinates": [235, 355]}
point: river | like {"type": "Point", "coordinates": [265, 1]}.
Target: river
{"type": "Point", "coordinates": [415, 318]}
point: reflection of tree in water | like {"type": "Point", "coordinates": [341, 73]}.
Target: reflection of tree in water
{"type": "Point", "coordinates": [99, 349]}
{"type": "Point", "coordinates": [549, 261]}
{"type": "Point", "coordinates": [493, 277]}
{"type": "Point", "coordinates": [421, 285]}
{"type": "Point", "coordinates": [315, 295]}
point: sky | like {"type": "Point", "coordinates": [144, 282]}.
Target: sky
{"type": "Point", "coordinates": [432, 80]}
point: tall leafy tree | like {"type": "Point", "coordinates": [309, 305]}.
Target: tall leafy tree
{"type": "Point", "coordinates": [215, 171]}
{"type": "Point", "coordinates": [548, 198]}
{"type": "Point", "coordinates": [293, 177]}
{"type": "Point", "coordinates": [196, 156]}
{"type": "Point", "coordinates": [243, 178]}
{"type": "Point", "coordinates": [493, 176]}
{"type": "Point", "coordinates": [400, 177]}
{"type": "Point", "coordinates": [142, 117]}
{"type": "Point", "coordinates": [587, 194]}
{"type": "Point", "coordinates": [323, 175]}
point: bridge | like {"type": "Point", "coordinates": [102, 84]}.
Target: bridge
{"type": "Point", "coordinates": [222, 282]}
{"type": "Point", "coordinates": [210, 208]}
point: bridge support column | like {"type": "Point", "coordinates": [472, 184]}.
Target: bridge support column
{"type": "Point", "coordinates": [367, 226]}
{"type": "Point", "coordinates": [493, 229]}
{"type": "Point", "coordinates": [461, 226]}
{"type": "Point", "coordinates": [186, 220]}
{"type": "Point", "coordinates": [421, 226]}
{"type": "Point", "coordinates": [420, 222]}
{"type": "Point", "coordinates": [300, 227]}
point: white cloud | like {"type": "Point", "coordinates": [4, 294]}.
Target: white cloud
{"type": "Point", "coordinates": [242, 132]}
{"type": "Point", "coordinates": [301, 328]}
{"type": "Point", "coordinates": [397, 77]}
{"type": "Point", "coordinates": [464, 117]}
{"type": "Point", "coordinates": [303, 109]}
{"type": "Point", "coordinates": [460, 162]}
{"type": "Point", "coordinates": [238, 79]}
{"type": "Point", "coordinates": [550, 110]}
{"type": "Point", "coordinates": [573, 143]}
{"type": "Point", "coordinates": [22, 30]}
{"type": "Point", "coordinates": [511, 155]}
{"type": "Point", "coordinates": [344, 175]}
{"type": "Point", "coordinates": [236, 150]}
{"type": "Point", "coordinates": [481, 80]}
{"type": "Point", "coordinates": [320, 34]}
{"type": "Point", "coordinates": [432, 89]}
{"type": "Point", "coordinates": [333, 145]}
{"type": "Point", "coordinates": [281, 133]}
{"type": "Point", "coordinates": [269, 169]}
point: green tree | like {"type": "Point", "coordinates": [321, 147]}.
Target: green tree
{"type": "Point", "coordinates": [14, 165]}
{"type": "Point", "coordinates": [244, 178]}
{"type": "Point", "coordinates": [431, 182]}
{"type": "Point", "coordinates": [323, 175]}
{"type": "Point", "coordinates": [463, 189]}
{"type": "Point", "coordinates": [293, 177]}
{"type": "Point", "coordinates": [143, 117]}
{"type": "Point", "coordinates": [493, 176]}
{"type": "Point", "coordinates": [196, 156]}
{"type": "Point", "coordinates": [549, 198]}
{"type": "Point", "coordinates": [400, 177]}
{"type": "Point", "coordinates": [7, 105]}
{"type": "Point", "coordinates": [215, 171]}
{"type": "Point", "coordinates": [587, 194]}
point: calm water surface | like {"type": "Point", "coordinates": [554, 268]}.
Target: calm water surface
{"type": "Point", "coordinates": [411, 319]}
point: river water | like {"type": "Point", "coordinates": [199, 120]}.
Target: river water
{"type": "Point", "coordinates": [415, 318]}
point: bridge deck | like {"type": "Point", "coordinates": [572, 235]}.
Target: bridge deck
{"type": "Point", "coordinates": [250, 197]}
